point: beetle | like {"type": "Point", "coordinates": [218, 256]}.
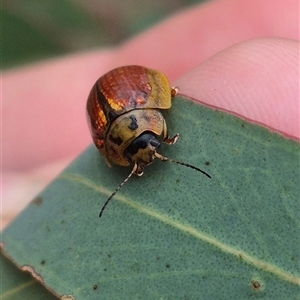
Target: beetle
{"type": "Point", "coordinates": [123, 112]}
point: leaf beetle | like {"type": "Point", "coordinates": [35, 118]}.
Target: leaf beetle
{"type": "Point", "coordinates": [123, 112]}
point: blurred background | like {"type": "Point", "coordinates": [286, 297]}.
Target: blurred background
{"type": "Point", "coordinates": [35, 30]}
{"type": "Point", "coordinates": [38, 29]}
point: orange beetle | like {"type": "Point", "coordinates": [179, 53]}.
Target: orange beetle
{"type": "Point", "coordinates": [125, 121]}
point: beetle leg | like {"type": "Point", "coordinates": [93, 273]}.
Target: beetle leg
{"type": "Point", "coordinates": [166, 139]}
{"type": "Point", "coordinates": [174, 91]}
{"type": "Point", "coordinates": [138, 170]}
{"type": "Point", "coordinates": [106, 161]}
{"type": "Point", "coordinates": [172, 140]}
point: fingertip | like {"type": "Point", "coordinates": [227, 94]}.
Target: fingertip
{"type": "Point", "coordinates": [257, 80]}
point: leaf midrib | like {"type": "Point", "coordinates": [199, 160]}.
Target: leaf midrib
{"type": "Point", "coordinates": [187, 229]}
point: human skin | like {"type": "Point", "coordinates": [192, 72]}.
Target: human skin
{"type": "Point", "coordinates": [241, 56]}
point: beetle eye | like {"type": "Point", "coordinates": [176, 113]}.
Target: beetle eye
{"type": "Point", "coordinates": [154, 142]}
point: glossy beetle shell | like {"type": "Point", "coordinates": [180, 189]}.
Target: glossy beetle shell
{"type": "Point", "coordinates": [124, 103]}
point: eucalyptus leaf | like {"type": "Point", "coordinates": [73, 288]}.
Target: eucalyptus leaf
{"type": "Point", "coordinates": [172, 233]}
{"type": "Point", "coordinates": [17, 285]}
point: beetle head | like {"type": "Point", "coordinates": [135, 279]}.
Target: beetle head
{"type": "Point", "coordinates": [142, 151]}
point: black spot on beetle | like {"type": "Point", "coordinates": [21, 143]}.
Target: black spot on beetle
{"type": "Point", "coordinates": [103, 104]}
{"type": "Point", "coordinates": [146, 118]}
{"type": "Point", "coordinates": [133, 125]}
{"type": "Point", "coordinates": [167, 266]}
{"type": "Point", "coordinates": [95, 286]}
{"type": "Point", "coordinates": [145, 93]}
{"type": "Point", "coordinates": [111, 115]}
{"type": "Point", "coordinates": [118, 141]}
{"type": "Point", "coordinates": [43, 262]}
{"type": "Point", "coordinates": [207, 163]}
{"type": "Point", "coordinates": [100, 97]}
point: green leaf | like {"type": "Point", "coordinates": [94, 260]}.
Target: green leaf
{"type": "Point", "coordinates": [16, 285]}
{"type": "Point", "coordinates": [172, 233]}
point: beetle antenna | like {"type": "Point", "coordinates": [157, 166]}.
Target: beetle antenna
{"type": "Point", "coordinates": [163, 158]}
{"type": "Point", "coordinates": [117, 189]}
